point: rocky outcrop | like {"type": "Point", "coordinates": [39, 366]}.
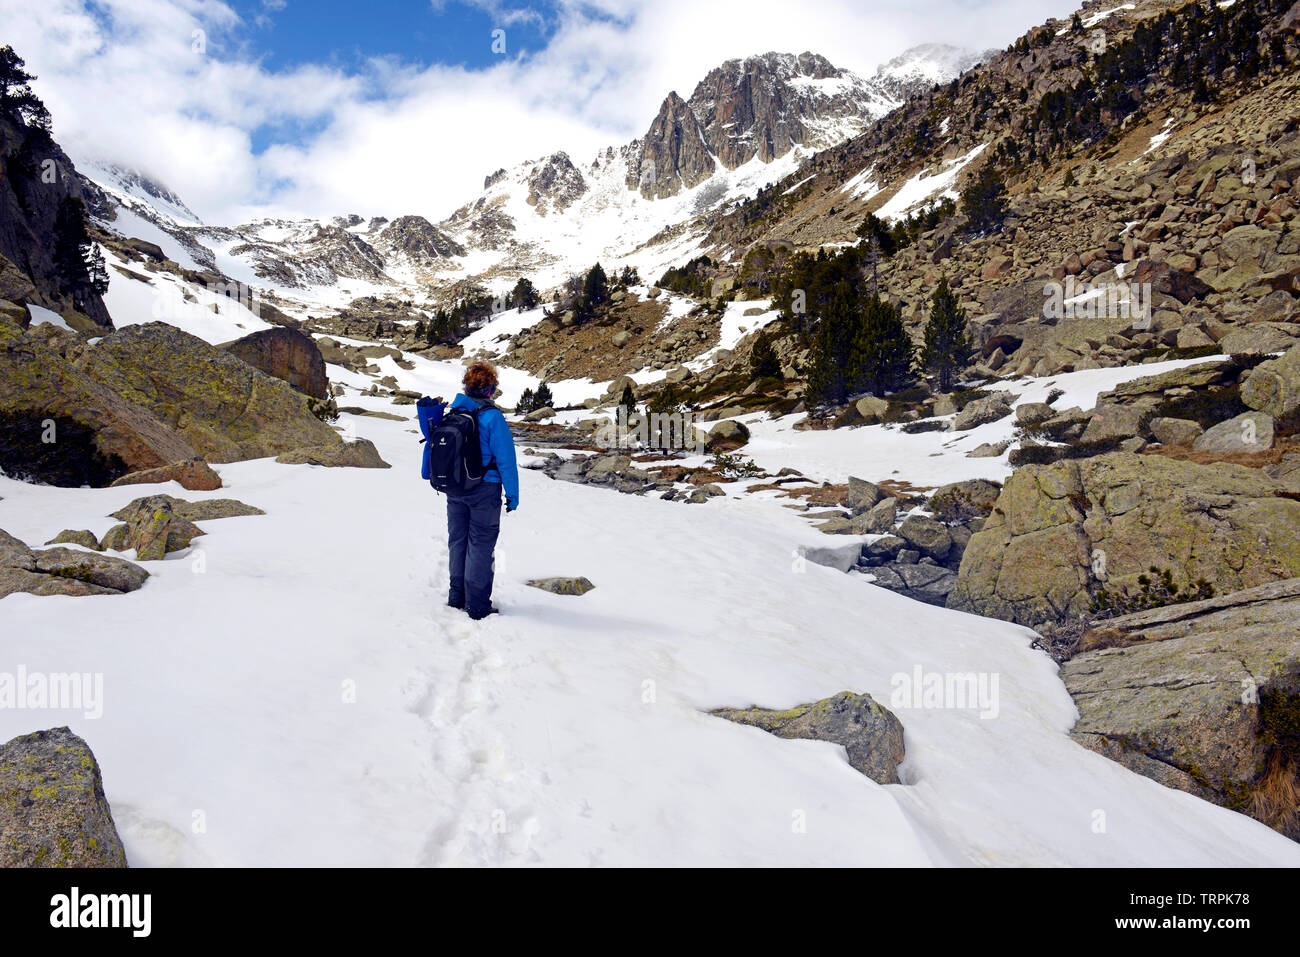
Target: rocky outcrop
{"type": "Point", "coordinates": [1200, 696]}
{"type": "Point", "coordinates": [61, 426]}
{"type": "Point", "coordinates": [1273, 387]}
{"type": "Point", "coordinates": [222, 406]}
{"type": "Point", "coordinates": [63, 571]}
{"type": "Point", "coordinates": [286, 354]}
{"type": "Point", "coordinates": [53, 812]}
{"type": "Point", "coordinates": [1061, 533]}
{"type": "Point", "coordinates": [673, 153]}
{"type": "Point", "coordinates": [418, 240]}
{"type": "Point", "coordinates": [869, 732]}
{"type": "Point", "coordinates": [554, 184]}
{"type": "Point", "coordinates": [38, 186]}
{"type": "Point", "coordinates": [202, 511]}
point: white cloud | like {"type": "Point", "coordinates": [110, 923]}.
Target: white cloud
{"type": "Point", "coordinates": [124, 83]}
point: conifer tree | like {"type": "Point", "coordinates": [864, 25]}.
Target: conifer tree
{"type": "Point", "coordinates": [527, 403]}
{"type": "Point", "coordinates": [628, 401]}
{"type": "Point", "coordinates": [946, 348]}
{"type": "Point", "coordinates": [829, 375]}
{"type": "Point", "coordinates": [763, 360]}
{"type": "Point", "coordinates": [985, 201]}
{"type": "Point", "coordinates": [882, 356]}
{"type": "Point", "coordinates": [543, 398]}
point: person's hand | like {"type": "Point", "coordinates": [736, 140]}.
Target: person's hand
{"type": "Point", "coordinates": [511, 504]}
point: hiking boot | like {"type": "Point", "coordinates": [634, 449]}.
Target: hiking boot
{"type": "Point", "coordinates": [492, 610]}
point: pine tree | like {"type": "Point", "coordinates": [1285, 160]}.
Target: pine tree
{"type": "Point", "coordinates": [96, 270]}
{"type": "Point", "coordinates": [419, 329]}
{"type": "Point", "coordinates": [881, 356]}
{"type": "Point", "coordinates": [829, 377]}
{"type": "Point", "coordinates": [596, 288]}
{"type": "Point", "coordinates": [543, 398]}
{"type": "Point", "coordinates": [628, 401]}
{"type": "Point", "coordinates": [527, 402]}
{"type": "Point", "coordinates": [71, 246]}
{"type": "Point", "coordinates": [763, 360]}
{"type": "Point", "coordinates": [946, 347]}
{"type": "Point", "coordinates": [524, 295]}
{"type": "Point", "coordinates": [985, 201]}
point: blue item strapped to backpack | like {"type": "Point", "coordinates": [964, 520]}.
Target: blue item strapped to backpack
{"type": "Point", "coordinates": [429, 413]}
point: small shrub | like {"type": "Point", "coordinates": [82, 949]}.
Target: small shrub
{"type": "Point", "coordinates": [733, 465]}
{"type": "Point", "coordinates": [1154, 591]}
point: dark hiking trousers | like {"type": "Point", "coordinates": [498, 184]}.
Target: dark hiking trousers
{"type": "Point", "coordinates": [473, 521]}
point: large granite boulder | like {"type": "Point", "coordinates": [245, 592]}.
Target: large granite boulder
{"type": "Point", "coordinates": [222, 406]}
{"type": "Point", "coordinates": [193, 474]}
{"type": "Point", "coordinates": [1060, 532]}
{"type": "Point", "coordinates": [868, 731]}
{"type": "Point", "coordinates": [1200, 696]}
{"type": "Point", "coordinates": [53, 812]}
{"type": "Point", "coordinates": [152, 527]}
{"type": "Point", "coordinates": [1273, 387]}
{"type": "Point", "coordinates": [60, 426]}
{"type": "Point", "coordinates": [286, 354]}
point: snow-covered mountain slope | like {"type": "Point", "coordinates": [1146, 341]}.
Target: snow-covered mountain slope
{"type": "Point", "coordinates": [751, 122]}
{"type": "Point", "coordinates": [377, 727]}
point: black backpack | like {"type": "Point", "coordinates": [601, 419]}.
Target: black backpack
{"type": "Point", "coordinates": [455, 456]}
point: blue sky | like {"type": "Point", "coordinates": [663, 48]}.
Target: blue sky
{"type": "Point", "coordinates": [387, 107]}
{"type": "Point", "coordinates": [345, 34]}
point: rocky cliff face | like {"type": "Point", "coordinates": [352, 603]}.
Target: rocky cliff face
{"type": "Point", "coordinates": [38, 178]}
{"type": "Point", "coordinates": [555, 184]}
{"type": "Point", "coordinates": [418, 240]}
{"type": "Point", "coordinates": [673, 153]}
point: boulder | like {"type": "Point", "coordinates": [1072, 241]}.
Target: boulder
{"type": "Point", "coordinates": [1033, 413]}
{"type": "Point", "coordinates": [1258, 338]}
{"type": "Point", "coordinates": [927, 536]}
{"type": "Point", "coordinates": [870, 734]}
{"type": "Point", "coordinates": [839, 557]}
{"type": "Point", "coordinates": [880, 519]}
{"type": "Point", "coordinates": [152, 528]}
{"type": "Point", "coordinates": [988, 450]}
{"type": "Point", "coordinates": [704, 493]}
{"type": "Point", "coordinates": [1112, 422]}
{"type": "Point", "coordinates": [83, 537]}
{"type": "Point", "coordinates": [920, 582]}
{"type": "Point", "coordinates": [97, 435]}
{"type": "Point", "coordinates": [963, 501]}
{"type": "Point", "coordinates": [726, 435]}
{"type": "Point", "coordinates": [563, 586]}
{"type": "Point", "coordinates": [63, 571]}
{"type": "Point", "coordinates": [360, 454]}
{"type": "Point", "coordinates": [226, 409]}
{"type": "Point", "coordinates": [871, 408]}
{"type": "Point", "coordinates": [1248, 432]}
{"type": "Point", "coordinates": [980, 411]}
{"type": "Point", "coordinates": [1060, 532]}
{"type": "Point", "coordinates": [1175, 431]}
{"type": "Point", "coordinates": [53, 812]}
{"type": "Point", "coordinates": [1199, 696]}
{"type": "Point", "coordinates": [620, 339]}
{"type": "Point", "coordinates": [194, 474]}
{"type": "Point", "coordinates": [1273, 386]}
{"type": "Point", "coordinates": [861, 496]}
{"type": "Point", "coordinates": [288, 355]}
{"type": "Point", "coordinates": [201, 511]}
{"type": "Point", "coordinates": [539, 415]}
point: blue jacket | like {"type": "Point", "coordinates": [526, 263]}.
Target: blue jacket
{"type": "Point", "coordinates": [495, 442]}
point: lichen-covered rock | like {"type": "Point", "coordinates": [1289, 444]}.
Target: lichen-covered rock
{"type": "Point", "coordinates": [1200, 696]}
{"type": "Point", "coordinates": [981, 411]}
{"type": "Point", "coordinates": [63, 571]}
{"type": "Point", "coordinates": [225, 408]}
{"type": "Point", "coordinates": [1059, 532]}
{"type": "Point", "coordinates": [53, 812]}
{"type": "Point", "coordinates": [1175, 431]}
{"type": "Point", "coordinates": [360, 454]}
{"type": "Point", "coordinates": [726, 435]}
{"type": "Point", "coordinates": [194, 474]}
{"type": "Point", "coordinates": [60, 426]}
{"type": "Point", "coordinates": [963, 501]}
{"type": "Point", "coordinates": [927, 536]}
{"type": "Point", "coordinates": [869, 732]}
{"type": "Point", "coordinates": [152, 527]}
{"type": "Point", "coordinates": [563, 586]}
{"type": "Point", "coordinates": [81, 536]}
{"type": "Point", "coordinates": [1273, 386]}
{"type": "Point", "coordinates": [1248, 432]}
{"type": "Point", "coordinates": [200, 511]}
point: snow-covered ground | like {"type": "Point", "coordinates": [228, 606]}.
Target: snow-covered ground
{"type": "Point", "coordinates": [293, 691]}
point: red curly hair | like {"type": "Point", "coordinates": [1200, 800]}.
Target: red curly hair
{"type": "Point", "coordinates": [480, 379]}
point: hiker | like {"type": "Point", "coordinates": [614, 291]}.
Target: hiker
{"type": "Point", "coordinates": [475, 488]}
